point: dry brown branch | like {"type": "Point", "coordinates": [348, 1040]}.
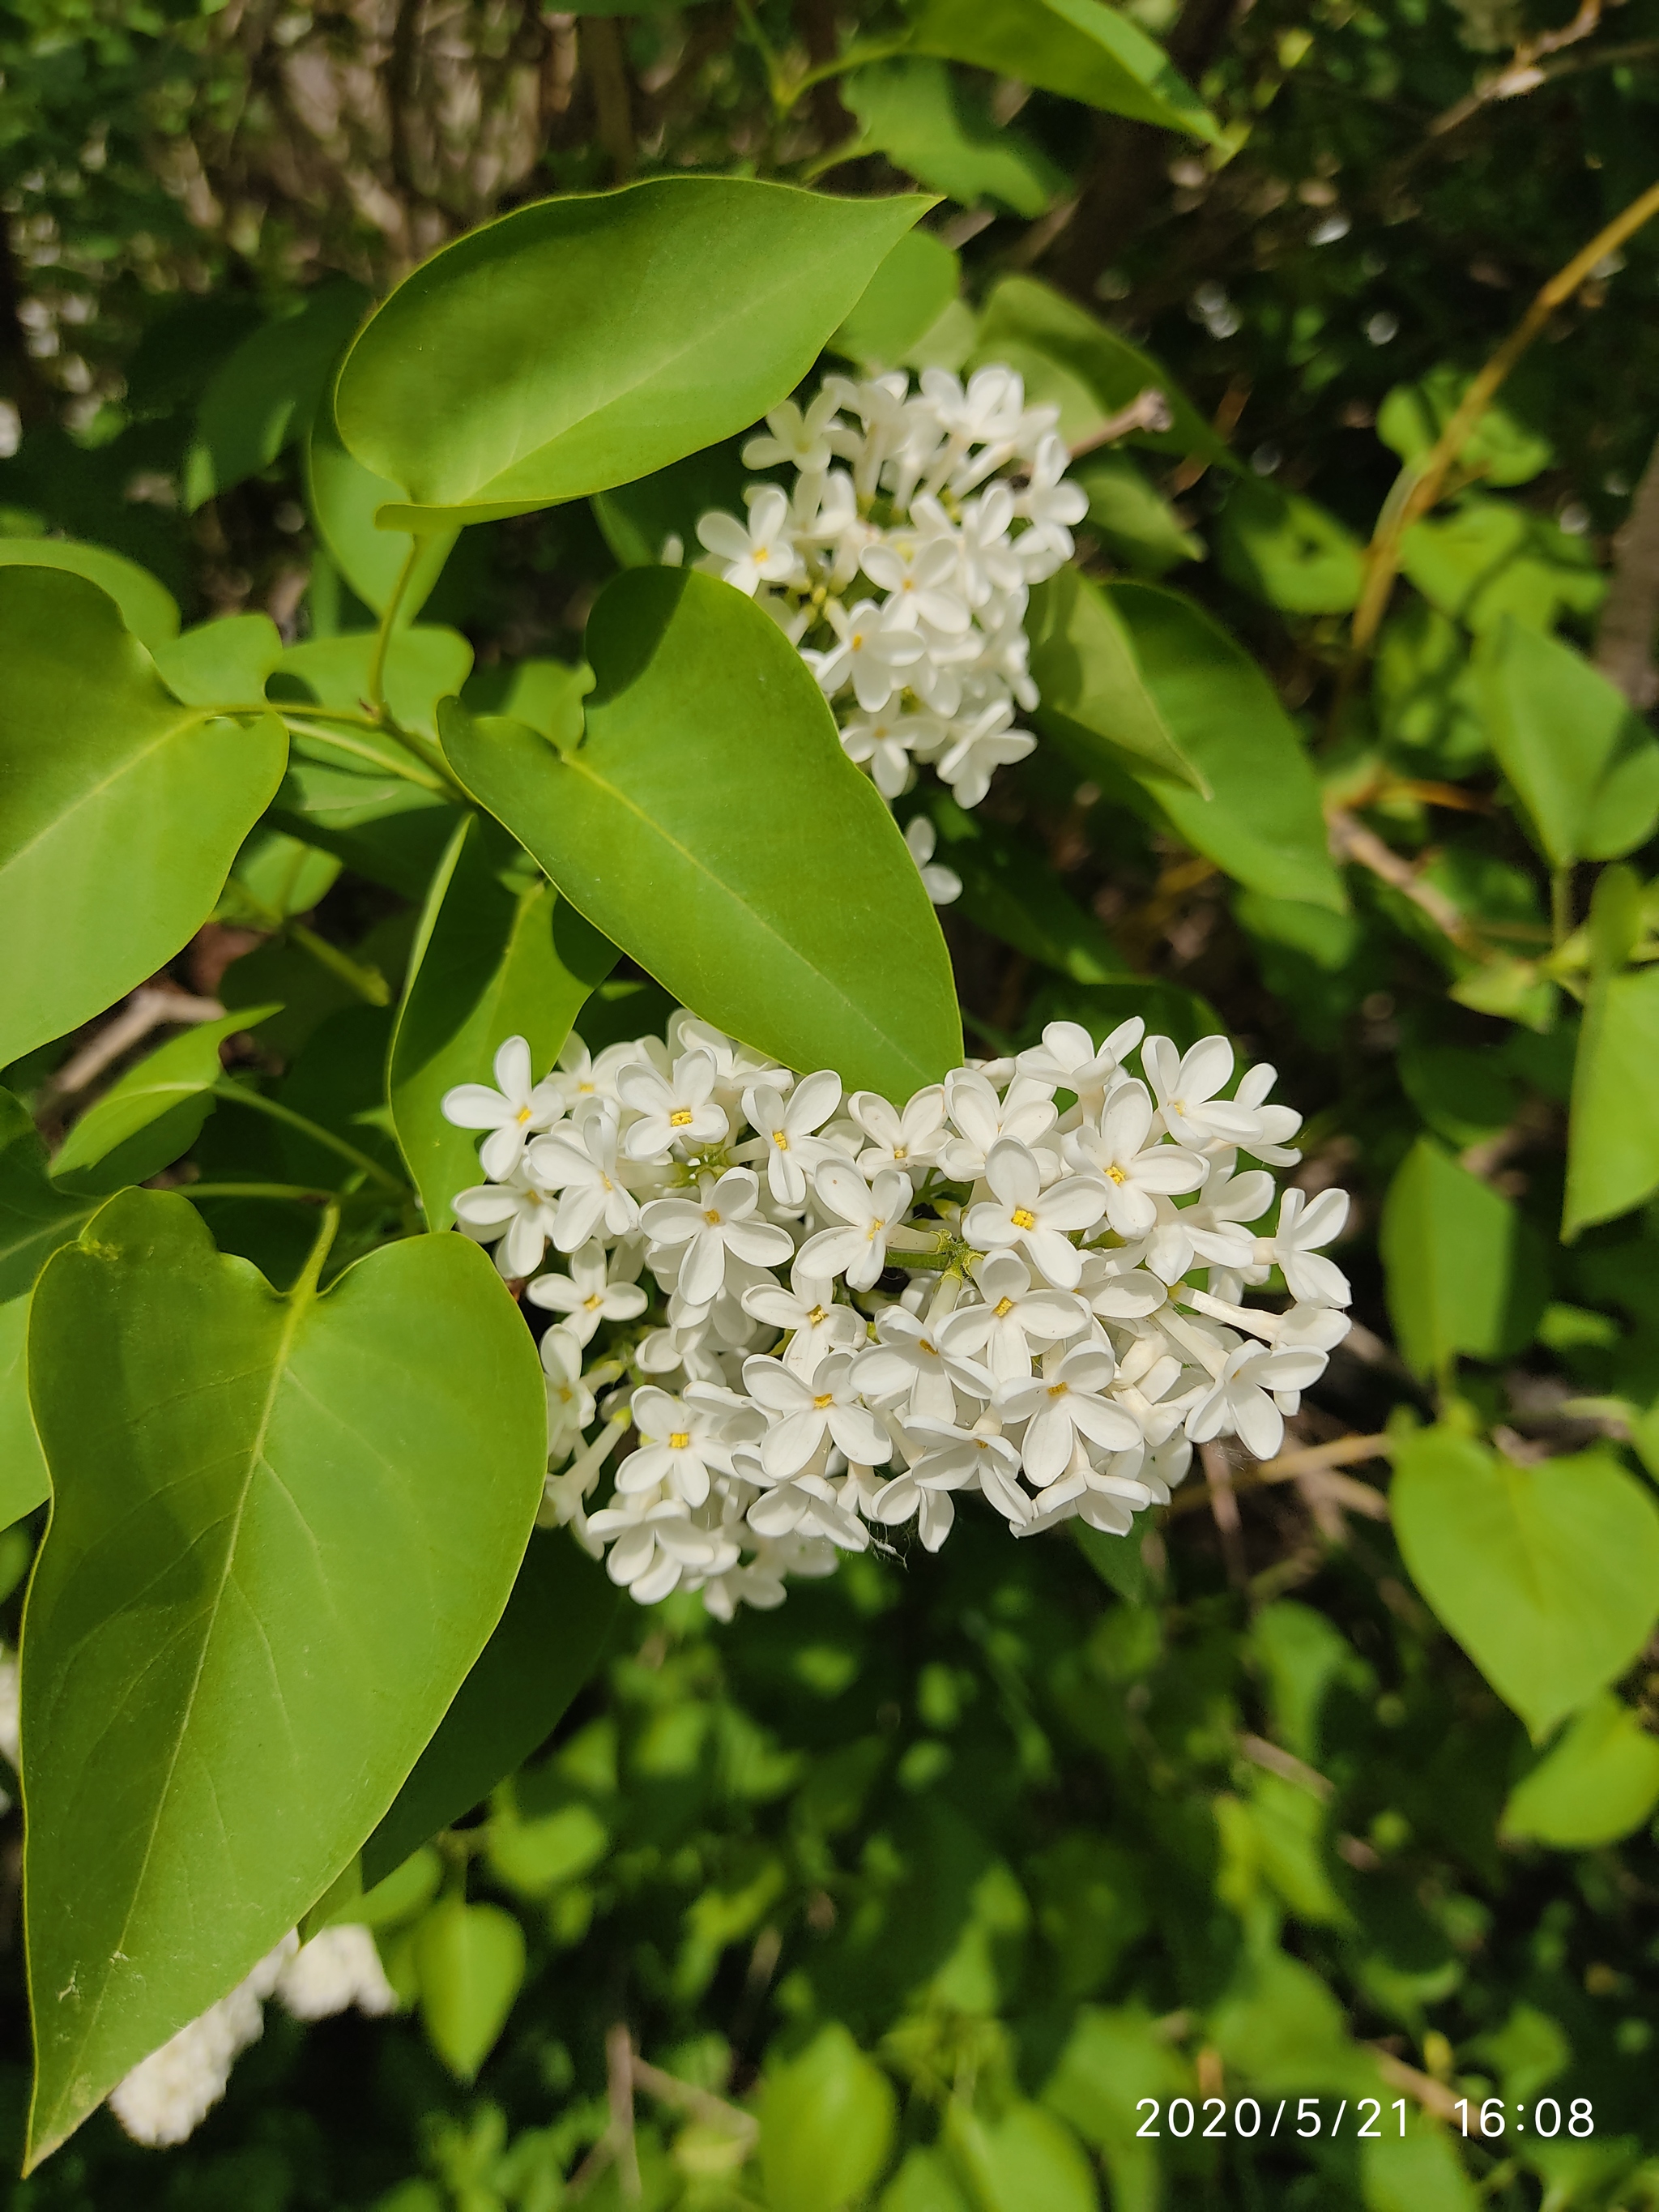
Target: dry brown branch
{"type": "Point", "coordinates": [1218, 1478]}
{"type": "Point", "coordinates": [1354, 841]}
{"type": "Point", "coordinates": [1630, 613]}
{"type": "Point", "coordinates": [1147, 410]}
{"type": "Point", "coordinates": [1288, 1767]}
{"type": "Point", "coordinates": [619, 2084]}
{"type": "Point", "coordinates": [148, 1008]}
{"type": "Point", "coordinates": [1434, 2096]}
{"type": "Point", "coordinates": [1341, 1451]}
{"type": "Point", "coordinates": [1521, 72]}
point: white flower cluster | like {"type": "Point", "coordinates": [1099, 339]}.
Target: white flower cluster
{"type": "Point", "coordinates": [903, 574]}
{"type": "Point", "coordinates": [166, 2096]}
{"type": "Point", "coordinates": [1026, 1281]}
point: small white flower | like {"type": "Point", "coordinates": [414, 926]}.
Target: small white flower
{"type": "Point", "coordinates": [1025, 1113]}
{"type": "Point", "coordinates": [789, 1130]}
{"type": "Point", "coordinates": [942, 884]}
{"type": "Point", "coordinates": [1066, 1401]}
{"type": "Point", "coordinates": [760, 551]}
{"type": "Point", "coordinates": [804, 1412]}
{"type": "Point", "coordinates": [517, 1217]}
{"type": "Point", "coordinates": [803, 441]}
{"type": "Point", "coordinates": [588, 1295]}
{"type": "Point", "coordinates": [874, 649]}
{"type": "Point", "coordinates": [672, 1110]}
{"type": "Point", "coordinates": [816, 1325]}
{"type": "Point", "coordinates": [905, 1142]}
{"type": "Point", "coordinates": [871, 1213]}
{"type": "Point", "coordinates": [1240, 1398]}
{"type": "Point", "coordinates": [719, 1221]}
{"type": "Point", "coordinates": [1186, 1088]}
{"type": "Point", "coordinates": [1009, 1317]}
{"type": "Point", "coordinates": [1278, 1124]}
{"type": "Point", "coordinates": [1133, 1168]}
{"type": "Point", "coordinates": [569, 1402]}
{"type": "Point", "coordinates": [883, 743]}
{"type": "Point", "coordinates": [1311, 1278]}
{"type": "Point", "coordinates": [1067, 1060]}
{"type": "Point", "coordinates": [919, 573]}
{"type": "Point", "coordinates": [1052, 508]}
{"type": "Point", "coordinates": [980, 744]}
{"type": "Point", "coordinates": [907, 1362]}
{"type": "Point", "coordinates": [1023, 1212]}
{"type": "Point", "coordinates": [677, 1448]}
{"type": "Point", "coordinates": [580, 1161]}
{"type": "Point", "coordinates": [515, 1112]}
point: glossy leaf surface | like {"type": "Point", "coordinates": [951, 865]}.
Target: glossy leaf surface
{"type": "Point", "coordinates": [1094, 698]}
{"type": "Point", "coordinates": [262, 396]}
{"type": "Point", "coordinates": [148, 608]}
{"type": "Point", "coordinates": [150, 1116]}
{"type": "Point", "coordinates": [469, 1959]}
{"type": "Point", "coordinates": [585, 341]}
{"type": "Point", "coordinates": [1263, 822]}
{"type": "Point", "coordinates": [929, 124]}
{"type": "Point", "coordinates": [345, 497]}
{"type": "Point", "coordinates": [1078, 48]}
{"type": "Point", "coordinates": [124, 810]}
{"type": "Point", "coordinates": [283, 1530]}
{"type": "Point", "coordinates": [226, 663]}
{"type": "Point", "coordinates": [34, 1220]}
{"type": "Point", "coordinates": [710, 825]}
{"type": "Point", "coordinates": [1613, 1135]}
{"type": "Point", "coordinates": [1547, 1574]}
{"type": "Point", "coordinates": [493, 959]}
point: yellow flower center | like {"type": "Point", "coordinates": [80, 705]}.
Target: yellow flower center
{"type": "Point", "coordinates": [711, 1214]}
{"type": "Point", "coordinates": [856, 641]}
{"type": "Point", "coordinates": [1116, 1175]}
{"type": "Point", "coordinates": [1003, 1306]}
{"type": "Point", "coordinates": [817, 1315]}
{"type": "Point", "coordinates": [524, 1114]}
{"type": "Point", "coordinates": [825, 1398]}
{"type": "Point", "coordinates": [680, 1118]}
{"type": "Point", "coordinates": [873, 1231]}
{"type": "Point", "coordinates": [780, 1138]}
{"type": "Point", "coordinates": [1058, 1389]}
{"type": "Point", "coordinates": [901, 1152]}
{"type": "Point", "coordinates": [680, 1439]}
{"type": "Point", "coordinates": [1023, 1217]}
{"type": "Point", "coordinates": [592, 1304]}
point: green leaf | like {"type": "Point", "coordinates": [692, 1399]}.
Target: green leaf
{"type": "Point", "coordinates": [637, 519]}
{"type": "Point", "coordinates": [1096, 702]}
{"type": "Point", "coordinates": [1118, 1560]}
{"type": "Point", "coordinates": [1078, 48]}
{"type": "Point", "coordinates": [34, 1220]}
{"type": "Point", "coordinates": [345, 497]}
{"type": "Point", "coordinates": [1613, 1131]}
{"type": "Point", "coordinates": [392, 831]}
{"type": "Point", "coordinates": [226, 663]}
{"type": "Point", "coordinates": [470, 1961]}
{"type": "Point", "coordinates": [902, 301]}
{"type": "Point", "coordinates": [1026, 2162]}
{"type": "Point", "coordinates": [124, 808]}
{"type": "Point", "coordinates": [1136, 525]}
{"type": "Point", "coordinates": [274, 877]}
{"type": "Point", "coordinates": [148, 608]}
{"type": "Point", "coordinates": [262, 398]}
{"type": "Point", "coordinates": [583, 341]}
{"type": "Point", "coordinates": [548, 695]}
{"type": "Point", "coordinates": [1582, 762]}
{"type": "Point", "coordinates": [1071, 357]}
{"type": "Point", "coordinates": [1600, 1781]}
{"type": "Point", "coordinates": [423, 664]}
{"type": "Point", "coordinates": [283, 1530]}
{"type": "Point", "coordinates": [1419, 2171]}
{"type": "Point", "coordinates": [1465, 1271]}
{"type": "Point", "coordinates": [1263, 822]}
{"type": "Point", "coordinates": [940, 132]}
{"type": "Point", "coordinates": [545, 1646]}
{"type": "Point", "coordinates": [1547, 1574]}
{"type": "Point", "coordinates": [154, 1113]}
{"type": "Point", "coordinates": [826, 2126]}
{"type": "Point", "coordinates": [492, 960]}
{"type": "Point", "coordinates": [1500, 449]}
{"type": "Point", "coordinates": [1009, 888]}
{"type": "Point", "coordinates": [1288, 551]}
{"type": "Point", "coordinates": [710, 824]}
{"type": "Point", "coordinates": [1488, 558]}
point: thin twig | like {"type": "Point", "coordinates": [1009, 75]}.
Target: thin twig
{"type": "Point", "coordinates": [1219, 1477]}
{"type": "Point", "coordinates": [1276, 1760]}
{"type": "Point", "coordinates": [703, 2103]}
{"type": "Point", "coordinates": [1147, 410]}
{"type": "Point", "coordinates": [1341, 1451]}
{"type": "Point", "coordinates": [619, 2080]}
{"type": "Point", "coordinates": [1420, 485]}
{"type": "Point", "coordinates": [1630, 613]}
{"type": "Point", "coordinates": [147, 1009]}
{"type": "Point", "coordinates": [1520, 73]}
{"type": "Point", "coordinates": [1434, 2096]}
{"type": "Point", "coordinates": [1354, 841]}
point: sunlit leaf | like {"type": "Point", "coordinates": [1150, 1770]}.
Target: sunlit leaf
{"type": "Point", "coordinates": [1465, 1271]}
{"type": "Point", "coordinates": [262, 397]}
{"type": "Point", "coordinates": [124, 808]}
{"type": "Point", "coordinates": [1596, 1784]}
{"type": "Point", "coordinates": [154, 1113]}
{"type": "Point", "coordinates": [710, 825]}
{"type": "Point", "coordinates": [469, 1959]}
{"type": "Point", "coordinates": [1078, 48]}
{"type": "Point", "coordinates": [931, 124]}
{"type": "Point", "coordinates": [148, 608]}
{"type": "Point", "coordinates": [582, 342]}
{"type": "Point", "coordinates": [284, 1528]}
{"type": "Point", "coordinates": [827, 2124]}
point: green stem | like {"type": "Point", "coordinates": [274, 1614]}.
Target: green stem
{"type": "Point", "coordinates": [774, 83]}
{"type": "Point", "coordinates": [444, 787]}
{"type": "Point", "coordinates": [856, 56]}
{"type": "Point", "coordinates": [311, 1274]}
{"type": "Point", "coordinates": [1561, 907]}
{"type": "Point", "coordinates": [237, 1094]}
{"type": "Point", "coordinates": [366, 982]}
{"type": "Point", "coordinates": [388, 623]}
{"type": "Point", "coordinates": [300, 1192]}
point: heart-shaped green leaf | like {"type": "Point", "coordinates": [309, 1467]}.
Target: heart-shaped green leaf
{"type": "Point", "coordinates": [284, 1528]}
{"type": "Point", "coordinates": [1466, 1271]}
{"type": "Point", "coordinates": [124, 808]}
{"type": "Point", "coordinates": [263, 396]}
{"type": "Point", "coordinates": [1080, 49]}
{"type": "Point", "coordinates": [710, 823]}
{"type": "Point", "coordinates": [1547, 1576]}
{"type": "Point", "coordinates": [1597, 1783]}
{"type": "Point", "coordinates": [469, 1959]}
{"type": "Point", "coordinates": [585, 341]}
{"type": "Point", "coordinates": [492, 960]}
{"type": "Point", "coordinates": [148, 608]}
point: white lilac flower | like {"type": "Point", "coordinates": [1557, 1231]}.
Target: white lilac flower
{"type": "Point", "coordinates": [942, 884]}
{"type": "Point", "coordinates": [760, 551]}
{"type": "Point", "coordinates": [515, 1112]}
{"type": "Point", "coordinates": [588, 1294]}
{"type": "Point", "coordinates": [1056, 1350]}
{"type": "Point", "coordinates": [873, 647]}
